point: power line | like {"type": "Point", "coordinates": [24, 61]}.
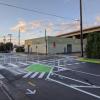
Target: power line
{"type": "Point", "coordinates": [31, 10]}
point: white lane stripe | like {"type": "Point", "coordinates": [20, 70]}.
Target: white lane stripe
{"type": "Point", "coordinates": [34, 74]}
{"type": "Point", "coordinates": [23, 63]}
{"type": "Point", "coordinates": [1, 67]}
{"type": "Point", "coordinates": [31, 62]}
{"type": "Point", "coordinates": [77, 63]}
{"type": "Point", "coordinates": [80, 90]}
{"type": "Point", "coordinates": [41, 75]}
{"type": "Point", "coordinates": [69, 64]}
{"type": "Point", "coordinates": [84, 72]}
{"type": "Point", "coordinates": [25, 76]}
{"type": "Point", "coordinates": [13, 65]}
{"type": "Point", "coordinates": [1, 77]}
{"type": "Point", "coordinates": [93, 86]}
{"type": "Point", "coordinates": [72, 79]}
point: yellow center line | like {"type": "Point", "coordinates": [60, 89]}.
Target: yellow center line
{"type": "Point", "coordinates": [32, 84]}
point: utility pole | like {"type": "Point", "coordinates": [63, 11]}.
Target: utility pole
{"type": "Point", "coordinates": [10, 37]}
{"type": "Point", "coordinates": [46, 40]}
{"type": "Point", "coordinates": [19, 37]}
{"type": "Point", "coordinates": [4, 39]}
{"type": "Point", "coordinates": [81, 29]}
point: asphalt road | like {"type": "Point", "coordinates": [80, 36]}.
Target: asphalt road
{"type": "Point", "coordinates": [78, 80]}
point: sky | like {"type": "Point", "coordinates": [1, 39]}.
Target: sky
{"type": "Point", "coordinates": [33, 25]}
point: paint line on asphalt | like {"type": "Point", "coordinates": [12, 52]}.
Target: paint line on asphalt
{"type": "Point", "coordinates": [41, 75]}
{"type": "Point", "coordinates": [23, 63]}
{"type": "Point", "coordinates": [80, 90]}
{"type": "Point", "coordinates": [25, 76]}
{"type": "Point", "coordinates": [92, 86]}
{"type": "Point", "coordinates": [69, 64]}
{"type": "Point", "coordinates": [76, 63]}
{"type": "Point", "coordinates": [1, 76]}
{"type": "Point", "coordinates": [13, 65]}
{"type": "Point", "coordinates": [30, 91]}
{"type": "Point", "coordinates": [2, 67]}
{"type": "Point", "coordinates": [30, 83]}
{"type": "Point", "coordinates": [31, 62]}
{"type": "Point", "coordinates": [72, 79]}
{"type": "Point", "coordinates": [35, 74]}
{"type": "Point", "coordinates": [84, 72]}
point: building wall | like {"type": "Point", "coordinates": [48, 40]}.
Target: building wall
{"type": "Point", "coordinates": [60, 45]}
{"type": "Point", "coordinates": [36, 45]}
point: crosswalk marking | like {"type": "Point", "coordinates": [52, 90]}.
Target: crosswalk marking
{"type": "Point", "coordinates": [34, 74]}
{"type": "Point", "coordinates": [25, 76]}
{"type": "Point", "coordinates": [41, 75]}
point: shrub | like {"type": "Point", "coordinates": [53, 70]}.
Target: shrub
{"type": "Point", "coordinates": [20, 49]}
{"type": "Point", "coordinates": [93, 45]}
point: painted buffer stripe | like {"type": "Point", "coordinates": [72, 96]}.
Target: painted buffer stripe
{"type": "Point", "coordinates": [35, 74]}
{"type": "Point", "coordinates": [41, 75]}
{"type": "Point", "coordinates": [25, 76]}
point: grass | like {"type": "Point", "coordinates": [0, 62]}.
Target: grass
{"type": "Point", "coordinates": [38, 68]}
{"type": "Point", "coordinates": [97, 61]}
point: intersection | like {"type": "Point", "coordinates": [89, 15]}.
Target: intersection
{"type": "Point", "coordinates": [55, 77]}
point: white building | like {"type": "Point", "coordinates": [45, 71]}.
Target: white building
{"type": "Point", "coordinates": [54, 45]}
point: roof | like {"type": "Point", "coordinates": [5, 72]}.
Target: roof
{"type": "Point", "coordinates": [86, 30]}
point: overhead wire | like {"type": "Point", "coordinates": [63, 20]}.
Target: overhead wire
{"type": "Point", "coordinates": [32, 10]}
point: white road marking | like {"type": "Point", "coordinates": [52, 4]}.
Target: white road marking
{"type": "Point", "coordinates": [30, 91]}
{"type": "Point", "coordinates": [1, 77]}
{"type": "Point", "coordinates": [41, 75]}
{"type": "Point", "coordinates": [25, 76]}
{"type": "Point", "coordinates": [83, 91]}
{"type": "Point", "coordinates": [35, 74]}
{"type": "Point", "coordinates": [76, 63]}
{"type": "Point", "coordinates": [84, 72]}
{"type": "Point", "coordinates": [31, 62]}
{"type": "Point", "coordinates": [2, 67]}
{"type": "Point", "coordinates": [92, 86]}
{"type": "Point", "coordinates": [69, 64]}
{"type": "Point", "coordinates": [72, 79]}
{"type": "Point", "coordinates": [13, 65]}
{"type": "Point", "coordinates": [23, 63]}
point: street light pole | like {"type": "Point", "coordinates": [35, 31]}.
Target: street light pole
{"type": "Point", "coordinates": [19, 37]}
{"type": "Point", "coordinates": [81, 28]}
{"type": "Point", "coordinates": [46, 40]}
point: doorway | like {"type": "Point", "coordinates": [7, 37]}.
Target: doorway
{"type": "Point", "coordinates": [69, 48]}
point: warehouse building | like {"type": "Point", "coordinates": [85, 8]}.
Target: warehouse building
{"type": "Point", "coordinates": [54, 45]}
{"type": "Point", "coordinates": [64, 43]}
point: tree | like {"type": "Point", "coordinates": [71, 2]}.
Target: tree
{"type": "Point", "coordinates": [93, 45]}
{"type": "Point", "coordinates": [2, 47]}
{"type": "Point", "coordinates": [20, 49]}
{"type": "Point", "coordinates": [9, 46]}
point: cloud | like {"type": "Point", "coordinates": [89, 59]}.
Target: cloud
{"type": "Point", "coordinates": [97, 20]}
{"type": "Point", "coordinates": [36, 24]}
{"type": "Point", "coordinates": [20, 25]}
{"type": "Point", "coordinates": [32, 28]}
{"type": "Point", "coordinates": [66, 27]}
